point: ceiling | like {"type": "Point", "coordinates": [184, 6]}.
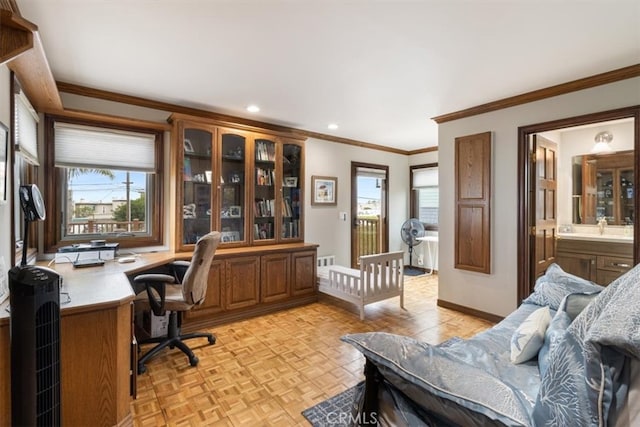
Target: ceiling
{"type": "Point", "coordinates": [379, 69]}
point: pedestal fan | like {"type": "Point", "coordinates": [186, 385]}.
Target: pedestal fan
{"type": "Point", "coordinates": [410, 231]}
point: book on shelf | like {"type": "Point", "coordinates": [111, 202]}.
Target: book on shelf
{"type": "Point", "coordinates": [265, 152]}
{"type": "Point", "coordinates": [264, 207]}
{"type": "Point", "coordinates": [265, 176]}
{"type": "Point", "coordinates": [263, 231]}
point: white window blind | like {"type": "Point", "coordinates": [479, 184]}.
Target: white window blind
{"type": "Point", "coordinates": [425, 178]}
{"type": "Point", "coordinates": [101, 148]}
{"type": "Point", "coordinates": [26, 129]}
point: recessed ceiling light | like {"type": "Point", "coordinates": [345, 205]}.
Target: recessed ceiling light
{"type": "Point", "coordinates": [332, 126]}
{"type": "Point", "coordinates": [253, 108]}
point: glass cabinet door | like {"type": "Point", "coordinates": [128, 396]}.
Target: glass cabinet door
{"type": "Point", "coordinates": [232, 187]}
{"type": "Point", "coordinates": [627, 194]}
{"type": "Point", "coordinates": [604, 206]}
{"type": "Point", "coordinates": [291, 196]}
{"type": "Point", "coordinates": [264, 206]}
{"type": "Point", "coordinates": [196, 191]}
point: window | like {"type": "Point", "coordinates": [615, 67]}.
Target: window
{"type": "Point", "coordinates": [425, 197]}
{"type": "Point", "coordinates": [106, 183]}
{"type": "Point", "coordinates": [25, 159]}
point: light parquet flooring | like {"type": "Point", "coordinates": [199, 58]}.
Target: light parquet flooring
{"type": "Point", "coordinates": [265, 371]}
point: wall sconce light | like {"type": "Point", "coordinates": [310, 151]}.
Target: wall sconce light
{"type": "Point", "coordinates": [603, 143]}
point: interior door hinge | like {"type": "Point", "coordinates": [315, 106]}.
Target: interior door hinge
{"type": "Point", "coordinates": [532, 230]}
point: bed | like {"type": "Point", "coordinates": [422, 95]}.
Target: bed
{"type": "Point", "coordinates": [380, 277]}
{"type": "Point", "coordinates": [577, 363]}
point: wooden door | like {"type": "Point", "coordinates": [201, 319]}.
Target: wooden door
{"type": "Point", "coordinates": [303, 273]}
{"type": "Point", "coordinates": [242, 282]}
{"type": "Point", "coordinates": [214, 298]}
{"type": "Point", "coordinates": [543, 204]}
{"type": "Point", "coordinates": [275, 277]}
{"type": "Point", "coordinates": [369, 211]}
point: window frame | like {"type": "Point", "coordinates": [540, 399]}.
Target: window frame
{"type": "Point", "coordinates": [413, 203]}
{"type": "Point", "coordinates": [22, 172]}
{"type": "Point", "coordinates": [53, 234]}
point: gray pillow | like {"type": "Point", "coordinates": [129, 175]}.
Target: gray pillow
{"type": "Point", "coordinates": [569, 309]}
{"type": "Point", "coordinates": [555, 284]}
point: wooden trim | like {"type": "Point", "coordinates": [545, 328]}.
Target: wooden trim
{"type": "Point", "coordinates": [30, 66]}
{"type": "Point", "coordinates": [525, 283]}
{"type": "Point", "coordinates": [225, 119]}
{"type": "Point", "coordinates": [468, 310]}
{"type": "Point", "coordinates": [73, 114]}
{"type": "Point", "coordinates": [549, 92]}
{"type": "Point", "coordinates": [422, 150]}
{"type": "Point", "coordinates": [473, 202]}
{"type": "Point", "coordinates": [16, 36]}
{"type": "Point", "coordinates": [53, 234]}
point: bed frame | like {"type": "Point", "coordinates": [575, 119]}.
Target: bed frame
{"type": "Point", "coordinates": [380, 277]}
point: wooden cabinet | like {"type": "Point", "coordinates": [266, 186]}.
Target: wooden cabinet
{"type": "Point", "coordinates": [275, 282]}
{"type": "Point", "coordinates": [214, 300]}
{"type": "Point", "coordinates": [303, 273]}
{"type": "Point", "coordinates": [600, 262]}
{"type": "Point", "coordinates": [608, 190]}
{"type": "Point", "coordinates": [242, 282]}
{"type": "Point", "coordinates": [245, 182]}
{"type": "Point", "coordinates": [248, 281]}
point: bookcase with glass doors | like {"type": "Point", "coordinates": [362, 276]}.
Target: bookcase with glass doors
{"type": "Point", "coordinates": [247, 184]}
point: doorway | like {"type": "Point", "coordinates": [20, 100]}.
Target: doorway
{"type": "Point", "coordinates": [536, 250]}
{"type": "Point", "coordinates": [369, 210]}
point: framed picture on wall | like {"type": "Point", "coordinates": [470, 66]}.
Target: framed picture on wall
{"type": "Point", "coordinates": [324, 190]}
{"type": "Point", "coordinates": [4, 141]}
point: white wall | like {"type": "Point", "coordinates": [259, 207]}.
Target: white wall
{"type": "Point", "coordinates": [497, 292]}
{"type": "Point", "coordinates": [322, 223]}
{"type": "Point", "coordinates": [6, 246]}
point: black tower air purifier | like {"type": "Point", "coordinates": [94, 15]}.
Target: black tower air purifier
{"type": "Point", "coordinates": [34, 294]}
{"type": "Point", "coordinates": [35, 346]}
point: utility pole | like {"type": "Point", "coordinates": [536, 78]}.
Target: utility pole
{"type": "Point", "coordinates": [128, 184]}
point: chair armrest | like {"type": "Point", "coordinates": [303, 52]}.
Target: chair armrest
{"type": "Point", "coordinates": [155, 286]}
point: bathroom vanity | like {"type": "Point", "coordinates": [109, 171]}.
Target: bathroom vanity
{"type": "Point", "coordinates": [599, 258]}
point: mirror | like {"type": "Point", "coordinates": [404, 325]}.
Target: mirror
{"type": "Point", "coordinates": [602, 187]}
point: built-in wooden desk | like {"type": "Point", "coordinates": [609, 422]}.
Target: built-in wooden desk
{"type": "Point", "coordinates": [96, 343]}
{"type": "Point", "coordinates": [96, 326]}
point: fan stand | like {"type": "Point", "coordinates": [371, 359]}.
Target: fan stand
{"type": "Point", "coordinates": [410, 271]}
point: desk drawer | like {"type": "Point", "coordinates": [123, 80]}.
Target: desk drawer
{"type": "Point", "coordinates": [611, 263]}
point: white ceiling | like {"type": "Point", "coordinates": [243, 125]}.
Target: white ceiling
{"type": "Point", "coordinates": [379, 69]}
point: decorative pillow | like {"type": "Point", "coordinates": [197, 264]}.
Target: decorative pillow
{"type": "Point", "coordinates": [529, 337]}
{"type": "Point", "coordinates": [555, 284]}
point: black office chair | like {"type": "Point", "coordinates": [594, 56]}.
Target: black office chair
{"type": "Point", "coordinates": [179, 292]}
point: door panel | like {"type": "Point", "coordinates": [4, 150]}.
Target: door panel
{"type": "Point", "coordinates": [544, 204]}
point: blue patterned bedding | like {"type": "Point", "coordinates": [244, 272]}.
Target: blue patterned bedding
{"type": "Point", "coordinates": [473, 382]}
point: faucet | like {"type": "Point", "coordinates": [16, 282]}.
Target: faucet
{"type": "Point", "coordinates": [602, 222]}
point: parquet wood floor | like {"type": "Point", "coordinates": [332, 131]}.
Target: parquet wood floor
{"type": "Point", "coordinates": [265, 371]}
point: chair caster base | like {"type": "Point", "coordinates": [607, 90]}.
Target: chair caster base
{"type": "Point", "coordinates": [193, 361]}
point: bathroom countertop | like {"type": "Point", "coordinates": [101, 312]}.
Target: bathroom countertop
{"type": "Point", "coordinates": [613, 238]}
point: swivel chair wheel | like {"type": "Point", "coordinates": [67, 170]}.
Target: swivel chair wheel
{"type": "Point", "coordinates": [212, 340]}
{"type": "Point", "coordinates": [193, 361]}
{"type": "Point", "coordinates": [141, 368]}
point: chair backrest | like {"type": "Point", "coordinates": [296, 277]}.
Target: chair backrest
{"type": "Point", "coordinates": [194, 282]}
